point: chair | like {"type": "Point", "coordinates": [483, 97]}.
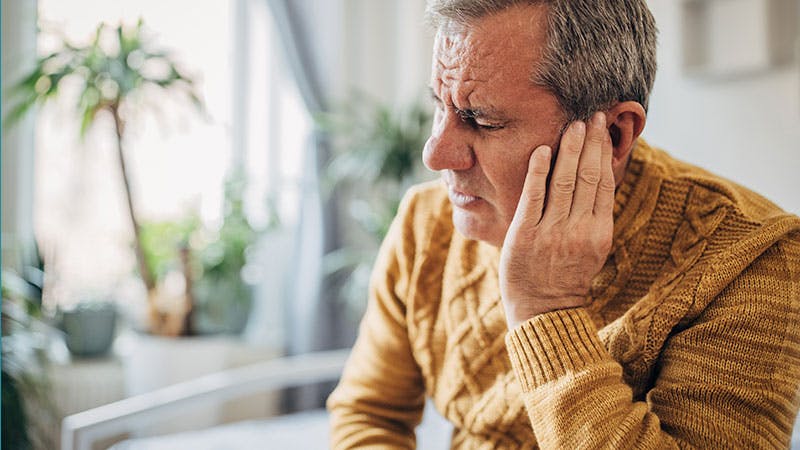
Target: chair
{"type": "Point", "coordinates": [300, 430]}
{"type": "Point", "coordinates": [79, 431]}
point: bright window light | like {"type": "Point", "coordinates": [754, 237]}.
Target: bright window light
{"type": "Point", "coordinates": [178, 159]}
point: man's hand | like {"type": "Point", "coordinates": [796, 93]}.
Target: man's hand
{"type": "Point", "coordinates": [551, 254]}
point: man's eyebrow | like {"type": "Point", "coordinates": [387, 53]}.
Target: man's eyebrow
{"type": "Point", "coordinates": [473, 113]}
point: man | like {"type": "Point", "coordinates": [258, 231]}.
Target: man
{"type": "Point", "coordinates": [567, 286]}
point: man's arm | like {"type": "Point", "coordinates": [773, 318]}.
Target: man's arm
{"type": "Point", "coordinates": [728, 381]}
{"type": "Point", "coordinates": [380, 398]}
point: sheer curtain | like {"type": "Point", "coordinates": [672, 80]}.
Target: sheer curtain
{"type": "Point", "coordinates": [334, 48]}
{"type": "Point", "coordinates": [307, 41]}
{"type": "Point", "coordinates": [308, 32]}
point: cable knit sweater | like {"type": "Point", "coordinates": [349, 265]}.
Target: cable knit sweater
{"type": "Point", "coordinates": [690, 337]}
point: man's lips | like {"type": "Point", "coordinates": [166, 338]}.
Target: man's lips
{"type": "Point", "coordinates": [460, 198]}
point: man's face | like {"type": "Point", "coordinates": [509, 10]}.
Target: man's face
{"type": "Point", "coordinates": [489, 116]}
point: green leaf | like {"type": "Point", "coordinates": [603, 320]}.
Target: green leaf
{"type": "Point", "coordinates": [87, 118]}
{"type": "Point", "coordinates": [92, 64]}
{"type": "Point", "coordinates": [17, 112]}
{"type": "Point", "coordinates": [28, 82]}
{"type": "Point", "coordinates": [89, 105]}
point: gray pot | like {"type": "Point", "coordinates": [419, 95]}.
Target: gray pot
{"type": "Point", "coordinates": [89, 328]}
{"type": "Point", "coordinates": [222, 305]}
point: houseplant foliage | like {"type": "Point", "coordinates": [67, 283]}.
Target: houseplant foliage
{"type": "Point", "coordinates": [117, 72]}
{"type": "Point", "coordinates": [377, 157]}
{"type": "Point", "coordinates": [221, 294]}
{"type": "Point", "coordinates": [378, 147]}
{"type": "Point", "coordinates": [210, 261]}
{"type": "Point", "coordinates": [28, 413]}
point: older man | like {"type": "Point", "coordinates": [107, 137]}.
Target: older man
{"type": "Point", "coordinates": [567, 286]}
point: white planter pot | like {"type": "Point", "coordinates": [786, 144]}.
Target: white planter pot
{"type": "Point", "coordinates": [152, 362]}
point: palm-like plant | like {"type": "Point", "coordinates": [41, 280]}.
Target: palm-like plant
{"type": "Point", "coordinates": [110, 80]}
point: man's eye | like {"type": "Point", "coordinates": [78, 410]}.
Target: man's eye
{"type": "Point", "coordinates": [488, 126]}
{"type": "Point", "coordinates": [477, 123]}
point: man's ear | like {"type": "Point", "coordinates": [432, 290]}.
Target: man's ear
{"type": "Point", "coordinates": [625, 121]}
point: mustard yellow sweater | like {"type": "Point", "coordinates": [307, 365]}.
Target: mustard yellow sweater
{"type": "Point", "coordinates": [691, 337]}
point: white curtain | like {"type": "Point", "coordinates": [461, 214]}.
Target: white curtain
{"type": "Point", "coordinates": [307, 47]}
{"type": "Point", "coordinates": [333, 48]}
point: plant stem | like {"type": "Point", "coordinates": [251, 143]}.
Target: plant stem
{"type": "Point", "coordinates": [188, 320]}
{"type": "Point", "coordinates": [147, 276]}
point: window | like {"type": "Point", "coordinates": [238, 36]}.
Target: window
{"type": "Point", "coordinates": [178, 160]}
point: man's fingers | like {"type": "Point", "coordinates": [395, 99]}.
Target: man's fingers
{"type": "Point", "coordinates": [604, 203]}
{"type": "Point", "coordinates": [562, 183]}
{"type": "Point", "coordinates": [534, 191]}
{"type": "Point", "coordinates": [589, 170]}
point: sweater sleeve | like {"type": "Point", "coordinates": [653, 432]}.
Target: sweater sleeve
{"type": "Point", "coordinates": [380, 397]}
{"type": "Point", "coordinates": [729, 380]}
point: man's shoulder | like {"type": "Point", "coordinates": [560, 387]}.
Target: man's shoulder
{"type": "Point", "coordinates": [708, 190]}
{"type": "Point", "coordinates": [702, 234]}
{"type": "Point", "coordinates": [424, 215]}
{"type": "Point", "coordinates": [424, 206]}
{"type": "Point", "coordinates": [733, 224]}
{"type": "Point", "coordinates": [428, 195]}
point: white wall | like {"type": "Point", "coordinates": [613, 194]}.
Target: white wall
{"type": "Point", "coordinates": [746, 129]}
{"type": "Point", "coordinates": [19, 57]}
{"type": "Point", "coordinates": [389, 49]}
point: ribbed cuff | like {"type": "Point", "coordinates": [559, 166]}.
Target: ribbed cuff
{"type": "Point", "coordinates": [553, 344]}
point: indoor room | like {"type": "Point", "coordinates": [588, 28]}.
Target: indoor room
{"type": "Point", "coordinates": [195, 195]}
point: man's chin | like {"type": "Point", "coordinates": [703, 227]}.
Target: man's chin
{"type": "Point", "coordinates": [476, 228]}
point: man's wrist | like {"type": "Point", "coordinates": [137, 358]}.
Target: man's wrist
{"type": "Point", "coordinates": [518, 313]}
{"type": "Point", "coordinates": [553, 344]}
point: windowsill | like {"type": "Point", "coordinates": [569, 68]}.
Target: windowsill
{"type": "Point", "coordinates": [139, 363]}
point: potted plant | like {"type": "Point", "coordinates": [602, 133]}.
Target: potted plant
{"type": "Point", "coordinates": [117, 70]}
{"type": "Point", "coordinates": [210, 262]}
{"type": "Point", "coordinates": [29, 415]}
{"type": "Point", "coordinates": [223, 298]}
{"type": "Point", "coordinates": [207, 263]}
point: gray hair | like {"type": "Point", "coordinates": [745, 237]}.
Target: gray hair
{"type": "Point", "coordinates": [597, 53]}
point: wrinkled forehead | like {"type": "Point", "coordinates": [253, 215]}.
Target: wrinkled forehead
{"type": "Point", "coordinates": [460, 53]}
{"type": "Point", "coordinates": [509, 41]}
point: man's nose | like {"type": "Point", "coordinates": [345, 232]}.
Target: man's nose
{"type": "Point", "coordinates": [449, 147]}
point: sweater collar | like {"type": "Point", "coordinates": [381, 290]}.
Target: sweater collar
{"type": "Point", "coordinates": [636, 197]}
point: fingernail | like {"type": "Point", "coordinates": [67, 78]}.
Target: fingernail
{"type": "Point", "coordinates": [599, 120]}
{"type": "Point", "coordinates": [578, 127]}
{"type": "Point", "coordinates": [544, 151]}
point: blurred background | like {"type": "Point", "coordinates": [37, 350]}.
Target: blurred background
{"type": "Point", "coordinates": [192, 187]}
